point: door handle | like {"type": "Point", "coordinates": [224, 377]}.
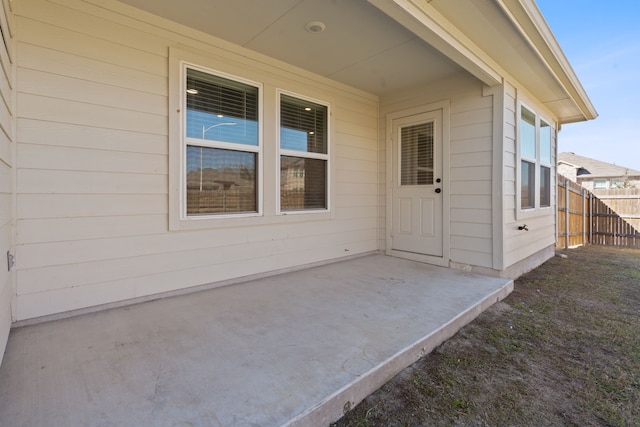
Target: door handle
{"type": "Point", "coordinates": [438, 190]}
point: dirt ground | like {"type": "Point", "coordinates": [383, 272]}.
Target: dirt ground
{"type": "Point", "coordinates": [562, 349]}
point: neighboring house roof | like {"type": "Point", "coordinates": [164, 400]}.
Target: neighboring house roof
{"type": "Point", "coordinates": [386, 46]}
{"type": "Point", "coordinates": [591, 168]}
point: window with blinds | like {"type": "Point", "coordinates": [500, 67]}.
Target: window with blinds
{"type": "Point", "coordinates": [304, 154]}
{"type": "Point", "coordinates": [222, 144]}
{"type": "Point", "coordinates": [416, 154]}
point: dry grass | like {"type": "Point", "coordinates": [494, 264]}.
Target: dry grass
{"type": "Point", "coordinates": [562, 349]}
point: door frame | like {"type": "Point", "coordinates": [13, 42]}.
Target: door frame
{"type": "Point", "coordinates": [444, 107]}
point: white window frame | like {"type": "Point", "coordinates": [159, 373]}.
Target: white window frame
{"type": "Point", "coordinates": [205, 143]}
{"type": "Point", "coordinates": [294, 153]}
{"type": "Point", "coordinates": [537, 209]}
{"type": "Point", "coordinates": [604, 182]}
{"type": "Point", "coordinates": [617, 183]}
{"type": "Point", "coordinates": [179, 59]}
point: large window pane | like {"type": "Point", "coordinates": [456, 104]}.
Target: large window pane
{"type": "Point", "coordinates": [545, 143]}
{"type": "Point", "coordinates": [527, 184]}
{"type": "Point", "coordinates": [303, 183]}
{"type": "Point", "coordinates": [303, 125]}
{"type": "Point", "coordinates": [527, 134]}
{"type": "Point", "coordinates": [220, 181]}
{"type": "Point", "coordinates": [220, 109]}
{"type": "Point", "coordinates": [416, 162]}
{"type": "Point", "coordinates": [545, 186]}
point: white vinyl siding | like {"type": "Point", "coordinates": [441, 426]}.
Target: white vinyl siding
{"type": "Point", "coordinates": [6, 173]}
{"type": "Point", "coordinates": [518, 245]}
{"type": "Point", "coordinates": [471, 190]}
{"type": "Point", "coordinates": [467, 165]}
{"type": "Point", "coordinates": [93, 95]}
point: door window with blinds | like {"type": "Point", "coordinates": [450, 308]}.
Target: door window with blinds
{"type": "Point", "coordinates": [416, 154]}
{"type": "Point", "coordinates": [304, 155]}
{"type": "Point", "coordinates": [222, 139]}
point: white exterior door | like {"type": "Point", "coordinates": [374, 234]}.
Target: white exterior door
{"type": "Point", "coordinates": [417, 184]}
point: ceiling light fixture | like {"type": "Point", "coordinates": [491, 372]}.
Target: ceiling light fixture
{"type": "Point", "coordinates": [315, 27]}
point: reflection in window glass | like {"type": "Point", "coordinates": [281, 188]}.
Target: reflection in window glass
{"type": "Point", "coordinates": [527, 134]}
{"type": "Point", "coordinates": [527, 185]}
{"type": "Point", "coordinates": [303, 183]}
{"type": "Point", "coordinates": [545, 186]}
{"type": "Point", "coordinates": [220, 181]}
{"type": "Point", "coordinates": [545, 143]}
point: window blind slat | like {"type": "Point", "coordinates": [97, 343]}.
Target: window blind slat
{"type": "Point", "coordinates": [416, 154]}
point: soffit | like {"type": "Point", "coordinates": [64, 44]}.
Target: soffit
{"type": "Point", "coordinates": [364, 47]}
{"type": "Point", "coordinates": [528, 60]}
{"type": "Point", "coordinates": [361, 46]}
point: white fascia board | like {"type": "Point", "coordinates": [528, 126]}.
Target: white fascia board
{"type": "Point", "coordinates": [530, 22]}
{"type": "Point", "coordinates": [427, 23]}
{"type": "Point", "coordinates": [569, 164]}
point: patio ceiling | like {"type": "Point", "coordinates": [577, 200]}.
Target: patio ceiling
{"type": "Point", "coordinates": [385, 46]}
{"type": "Point", "coordinates": [360, 46]}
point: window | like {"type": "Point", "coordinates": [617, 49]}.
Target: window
{"type": "Point", "coordinates": [222, 142]}
{"type": "Point", "coordinates": [536, 141]}
{"type": "Point", "coordinates": [417, 154]}
{"type": "Point", "coordinates": [600, 184]}
{"type": "Point", "coordinates": [527, 158]}
{"type": "Point", "coordinates": [304, 155]}
{"type": "Point", "coordinates": [545, 164]}
{"type": "Point", "coordinates": [618, 183]}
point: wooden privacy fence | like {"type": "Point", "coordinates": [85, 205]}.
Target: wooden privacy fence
{"type": "Point", "coordinates": [584, 218]}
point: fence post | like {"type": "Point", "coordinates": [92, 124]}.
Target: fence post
{"type": "Point", "coordinates": [590, 218]}
{"type": "Point", "coordinates": [566, 216]}
{"type": "Point", "coordinates": [584, 217]}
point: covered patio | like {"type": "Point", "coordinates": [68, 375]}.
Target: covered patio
{"type": "Point", "coordinates": [297, 348]}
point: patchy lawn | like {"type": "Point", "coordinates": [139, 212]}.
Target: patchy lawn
{"type": "Point", "coordinates": [562, 349]}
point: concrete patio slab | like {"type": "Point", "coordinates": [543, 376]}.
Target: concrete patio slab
{"type": "Point", "coordinates": [293, 349]}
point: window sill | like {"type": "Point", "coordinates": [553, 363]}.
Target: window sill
{"type": "Point", "coordinates": [212, 223]}
{"type": "Point", "coordinates": [534, 212]}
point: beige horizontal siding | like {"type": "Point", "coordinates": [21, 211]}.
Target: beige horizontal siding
{"type": "Point", "coordinates": [91, 137]}
{"type": "Point", "coordinates": [92, 130]}
{"type": "Point", "coordinates": [471, 179]}
{"type": "Point", "coordinates": [7, 164]}
{"type": "Point", "coordinates": [49, 157]}
{"type": "Point", "coordinates": [72, 112]}
{"type": "Point", "coordinates": [91, 46]}
{"type": "Point", "coordinates": [71, 65]}
{"type": "Point", "coordinates": [519, 245]}
{"type": "Point", "coordinates": [77, 228]}
{"type": "Point", "coordinates": [44, 83]}
{"type": "Point", "coordinates": [78, 182]}
{"type": "Point", "coordinates": [34, 206]}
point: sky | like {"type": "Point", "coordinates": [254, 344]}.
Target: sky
{"type": "Point", "coordinates": [601, 39]}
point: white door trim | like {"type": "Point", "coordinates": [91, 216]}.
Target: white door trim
{"type": "Point", "coordinates": [444, 106]}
